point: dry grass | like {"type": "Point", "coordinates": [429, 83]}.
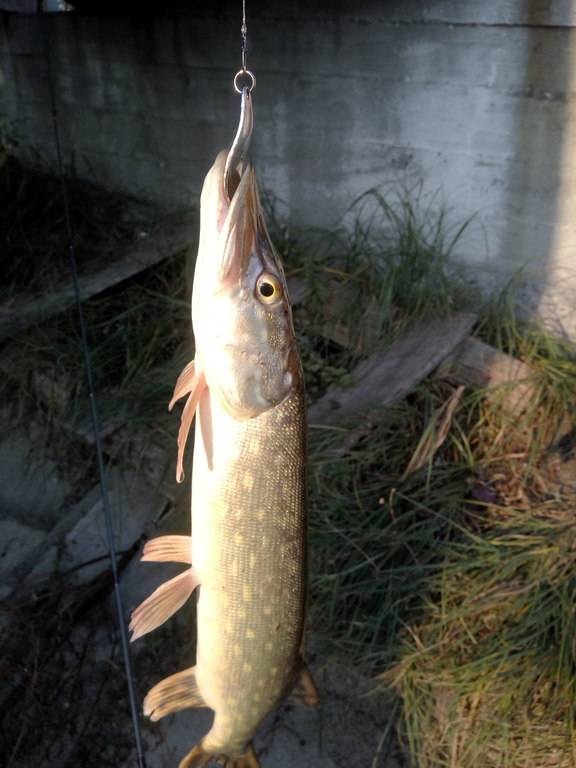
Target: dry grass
{"type": "Point", "coordinates": [454, 574]}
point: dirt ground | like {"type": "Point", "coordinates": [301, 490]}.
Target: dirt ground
{"type": "Point", "coordinates": [63, 696]}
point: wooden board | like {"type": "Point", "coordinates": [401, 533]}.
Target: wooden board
{"type": "Point", "coordinates": [391, 374]}
{"type": "Point", "coordinates": [27, 310]}
{"type": "Point", "coordinates": [506, 379]}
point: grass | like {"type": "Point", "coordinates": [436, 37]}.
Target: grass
{"type": "Point", "coordinates": [376, 537]}
{"type": "Point", "coordinates": [33, 227]}
{"type": "Point", "coordinates": [453, 583]}
{"type": "Point", "coordinates": [487, 677]}
{"type": "Point", "coordinates": [552, 360]}
{"type": "Point", "coordinates": [138, 336]}
{"type": "Point", "coordinates": [388, 263]}
{"type": "Point", "coordinates": [452, 577]}
{"type": "Point", "coordinates": [458, 580]}
{"type": "Point", "coordinates": [137, 330]}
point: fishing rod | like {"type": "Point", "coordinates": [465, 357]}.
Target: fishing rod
{"type": "Point", "coordinates": [94, 413]}
{"type": "Point", "coordinates": [244, 84]}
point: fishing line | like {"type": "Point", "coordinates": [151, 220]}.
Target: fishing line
{"type": "Point", "coordinates": [244, 35]}
{"type": "Point", "coordinates": [244, 78]}
{"type": "Point", "coordinates": [94, 415]}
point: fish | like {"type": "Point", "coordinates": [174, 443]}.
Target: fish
{"type": "Point", "coordinates": [247, 553]}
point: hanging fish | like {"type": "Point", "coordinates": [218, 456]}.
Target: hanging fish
{"type": "Point", "coordinates": [247, 553]}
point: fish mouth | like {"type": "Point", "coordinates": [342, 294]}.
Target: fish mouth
{"type": "Point", "coordinates": [237, 187]}
{"type": "Point", "coordinates": [243, 233]}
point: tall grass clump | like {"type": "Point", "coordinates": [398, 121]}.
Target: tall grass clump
{"type": "Point", "coordinates": [377, 535]}
{"type": "Point", "coordinates": [452, 578]}
{"type": "Point", "coordinates": [389, 262]}
{"type": "Point", "coordinates": [552, 360]}
{"type": "Point", "coordinates": [408, 246]}
{"type": "Point", "coordinates": [456, 582]}
{"type": "Point", "coordinates": [487, 676]}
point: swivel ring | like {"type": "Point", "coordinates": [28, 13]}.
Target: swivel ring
{"type": "Point", "coordinates": [244, 79]}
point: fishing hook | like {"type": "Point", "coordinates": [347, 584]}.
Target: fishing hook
{"type": "Point", "coordinates": [244, 84]}
{"type": "Point", "coordinates": [235, 161]}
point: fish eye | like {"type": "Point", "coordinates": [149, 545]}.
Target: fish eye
{"type": "Point", "coordinates": [268, 288]}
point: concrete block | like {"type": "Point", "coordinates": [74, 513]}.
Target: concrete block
{"type": "Point", "coordinates": [82, 553]}
{"type": "Point", "coordinates": [18, 543]}
{"type": "Point", "coordinates": [480, 100]}
{"type": "Point", "coordinates": [32, 488]}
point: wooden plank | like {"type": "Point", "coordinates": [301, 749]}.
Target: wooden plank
{"type": "Point", "coordinates": [28, 310]}
{"type": "Point", "coordinates": [391, 374]}
{"type": "Point", "coordinates": [507, 380]}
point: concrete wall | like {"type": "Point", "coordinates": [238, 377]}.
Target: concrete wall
{"type": "Point", "coordinates": [477, 99]}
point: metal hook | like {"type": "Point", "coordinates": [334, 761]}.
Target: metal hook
{"type": "Point", "coordinates": [234, 167]}
{"type": "Point", "coordinates": [250, 77]}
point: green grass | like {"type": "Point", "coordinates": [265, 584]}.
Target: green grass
{"type": "Point", "coordinates": [552, 359]}
{"type": "Point", "coordinates": [455, 580]}
{"type": "Point", "coordinates": [140, 338]}
{"type": "Point", "coordinates": [487, 677]}
{"type": "Point", "coordinates": [389, 263]}
{"type": "Point", "coordinates": [376, 538]}
{"type": "Point", "coordinates": [458, 581]}
{"type": "Point", "coordinates": [394, 259]}
{"type": "Point", "coordinates": [33, 227]}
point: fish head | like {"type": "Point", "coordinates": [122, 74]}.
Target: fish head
{"type": "Point", "coordinates": [242, 320]}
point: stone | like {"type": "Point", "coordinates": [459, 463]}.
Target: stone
{"type": "Point", "coordinates": [82, 552]}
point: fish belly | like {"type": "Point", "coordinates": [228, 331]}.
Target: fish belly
{"type": "Point", "coordinates": [249, 550]}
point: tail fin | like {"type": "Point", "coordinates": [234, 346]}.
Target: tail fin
{"type": "Point", "coordinates": [199, 757]}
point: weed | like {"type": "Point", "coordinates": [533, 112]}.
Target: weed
{"type": "Point", "coordinates": [439, 551]}
{"type": "Point", "coordinates": [33, 227]}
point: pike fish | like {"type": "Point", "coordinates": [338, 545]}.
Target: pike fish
{"type": "Point", "coordinates": [247, 552]}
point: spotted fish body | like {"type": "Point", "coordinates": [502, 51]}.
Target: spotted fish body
{"type": "Point", "coordinates": [248, 546]}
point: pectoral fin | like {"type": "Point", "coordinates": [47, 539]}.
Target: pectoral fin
{"type": "Point", "coordinates": [185, 383]}
{"type": "Point", "coordinates": [168, 549]}
{"type": "Point", "coordinates": [191, 382]}
{"type": "Point", "coordinates": [172, 694]}
{"type": "Point", "coordinates": [162, 603]}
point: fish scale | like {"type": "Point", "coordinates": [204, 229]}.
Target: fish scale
{"type": "Point", "coordinates": [251, 604]}
{"type": "Point", "coordinates": [249, 553]}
